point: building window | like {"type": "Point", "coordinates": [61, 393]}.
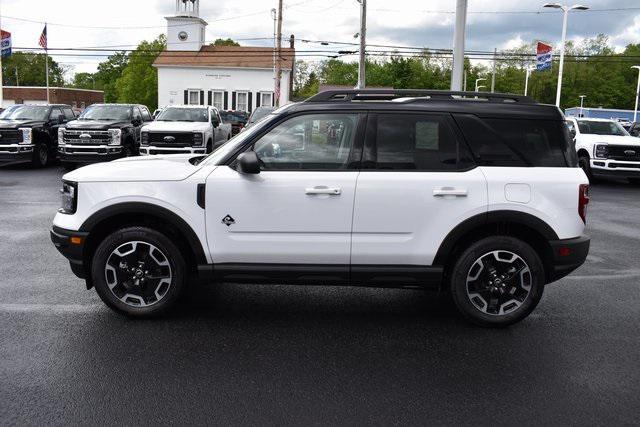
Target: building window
{"type": "Point", "coordinates": [194, 97]}
{"type": "Point", "coordinates": [266, 99]}
{"type": "Point", "coordinates": [242, 101]}
{"type": "Point", "coordinates": [218, 99]}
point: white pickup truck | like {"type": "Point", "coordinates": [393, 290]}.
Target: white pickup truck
{"type": "Point", "coordinates": [605, 149]}
{"type": "Point", "coordinates": [184, 129]}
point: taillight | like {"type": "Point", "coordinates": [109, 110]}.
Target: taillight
{"type": "Point", "coordinates": [583, 201]}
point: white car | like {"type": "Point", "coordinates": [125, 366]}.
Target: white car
{"type": "Point", "coordinates": [605, 148]}
{"type": "Point", "coordinates": [180, 129]}
{"type": "Point", "coordinates": [455, 193]}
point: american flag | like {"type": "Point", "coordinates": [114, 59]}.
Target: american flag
{"type": "Point", "coordinates": [43, 37]}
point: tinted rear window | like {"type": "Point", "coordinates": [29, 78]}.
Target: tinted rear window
{"type": "Point", "coordinates": [518, 142]}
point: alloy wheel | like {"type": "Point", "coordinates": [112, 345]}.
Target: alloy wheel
{"type": "Point", "coordinates": [498, 282]}
{"type": "Point", "coordinates": [138, 274]}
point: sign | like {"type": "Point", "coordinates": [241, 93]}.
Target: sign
{"type": "Point", "coordinates": [543, 56]}
{"type": "Point", "coordinates": [6, 43]}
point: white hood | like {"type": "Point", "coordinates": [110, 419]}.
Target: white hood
{"type": "Point", "coordinates": [609, 139]}
{"type": "Point", "coordinates": [159, 126]}
{"type": "Point", "coordinates": [171, 167]}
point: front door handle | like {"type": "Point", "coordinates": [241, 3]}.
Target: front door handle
{"type": "Point", "coordinates": [323, 190]}
{"type": "Point", "coordinates": [450, 191]}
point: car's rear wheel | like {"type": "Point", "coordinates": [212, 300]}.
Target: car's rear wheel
{"type": "Point", "coordinates": [138, 271]}
{"type": "Point", "coordinates": [40, 155]}
{"type": "Point", "coordinates": [497, 281]}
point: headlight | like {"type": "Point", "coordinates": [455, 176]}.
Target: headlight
{"type": "Point", "coordinates": [27, 134]}
{"type": "Point", "coordinates": [601, 151]}
{"type": "Point", "coordinates": [144, 138]}
{"type": "Point", "coordinates": [116, 136]}
{"type": "Point", "coordinates": [60, 136]}
{"type": "Point", "coordinates": [197, 138]}
{"type": "Point", "coordinates": [69, 194]}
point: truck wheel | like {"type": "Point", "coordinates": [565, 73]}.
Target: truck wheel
{"type": "Point", "coordinates": [583, 162]}
{"type": "Point", "coordinates": [139, 272]}
{"type": "Point", "coordinates": [40, 155]}
{"type": "Point", "coordinates": [497, 281]}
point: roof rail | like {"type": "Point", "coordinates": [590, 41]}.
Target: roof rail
{"type": "Point", "coordinates": [424, 94]}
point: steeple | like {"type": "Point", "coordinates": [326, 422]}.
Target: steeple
{"type": "Point", "coordinates": [186, 30]}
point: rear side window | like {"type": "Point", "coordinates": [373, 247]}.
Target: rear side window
{"type": "Point", "coordinates": [517, 142]}
{"type": "Point", "coordinates": [417, 142]}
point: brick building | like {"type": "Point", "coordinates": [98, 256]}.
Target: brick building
{"type": "Point", "coordinates": [77, 98]}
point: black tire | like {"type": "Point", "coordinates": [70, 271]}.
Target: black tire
{"type": "Point", "coordinates": [209, 148]}
{"type": "Point", "coordinates": [585, 165]}
{"type": "Point", "coordinates": [68, 166]}
{"type": "Point", "coordinates": [463, 293]}
{"type": "Point", "coordinates": [123, 278]}
{"type": "Point", "coordinates": [40, 155]}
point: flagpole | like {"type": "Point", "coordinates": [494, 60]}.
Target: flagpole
{"type": "Point", "coordinates": [46, 60]}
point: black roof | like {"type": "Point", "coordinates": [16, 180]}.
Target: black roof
{"type": "Point", "coordinates": [482, 104]}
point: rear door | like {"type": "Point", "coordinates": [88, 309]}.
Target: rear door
{"type": "Point", "coordinates": [418, 182]}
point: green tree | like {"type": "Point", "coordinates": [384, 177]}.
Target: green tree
{"type": "Point", "coordinates": [31, 70]}
{"type": "Point", "coordinates": [84, 81]}
{"type": "Point", "coordinates": [225, 42]}
{"type": "Point", "coordinates": [108, 73]}
{"type": "Point", "coordinates": [139, 80]}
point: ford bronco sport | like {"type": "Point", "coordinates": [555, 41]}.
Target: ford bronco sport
{"type": "Point", "coordinates": [476, 195]}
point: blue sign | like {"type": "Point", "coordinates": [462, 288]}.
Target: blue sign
{"type": "Point", "coordinates": [544, 53]}
{"type": "Point", "coordinates": [5, 44]}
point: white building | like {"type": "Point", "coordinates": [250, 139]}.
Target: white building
{"type": "Point", "coordinates": [228, 77]}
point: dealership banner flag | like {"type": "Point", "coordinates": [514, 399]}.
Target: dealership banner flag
{"type": "Point", "coordinates": [6, 43]}
{"type": "Point", "coordinates": [543, 56]}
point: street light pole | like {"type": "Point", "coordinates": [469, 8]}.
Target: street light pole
{"type": "Point", "coordinates": [582, 97]}
{"type": "Point", "coordinates": [635, 110]}
{"type": "Point", "coordinates": [458, 45]}
{"type": "Point", "coordinates": [565, 13]}
{"type": "Point", "coordinates": [363, 44]}
{"type": "Point", "coordinates": [527, 74]}
{"type": "Point", "coordinates": [477, 81]}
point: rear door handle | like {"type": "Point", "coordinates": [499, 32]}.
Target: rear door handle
{"type": "Point", "coordinates": [323, 190]}
{"type": "Point", "coordinates": [450, 191]}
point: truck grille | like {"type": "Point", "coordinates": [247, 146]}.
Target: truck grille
{"type": "Point", "coordinates": [624, 152]}
{"type": "Point", "coordinates": [89, 137]}
{"type": "Point", "coordinates": [180, 139]}
{"type": "Point", "coordinates": [10, 136]}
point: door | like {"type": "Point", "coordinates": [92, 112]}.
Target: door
{"type": "Point", "coordinates": [418, 183]}
{"type": "Point", "coordinates": [298, 210]}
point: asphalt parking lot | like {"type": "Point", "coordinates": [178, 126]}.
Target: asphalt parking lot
{"type": "Point", "coordinates": [297, 355]}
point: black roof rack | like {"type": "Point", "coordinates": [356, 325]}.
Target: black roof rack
{"type": "Point", "coordinates": [421, 94]}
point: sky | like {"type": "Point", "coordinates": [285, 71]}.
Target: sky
{"type": "Point", "coordinates": [491, 24]}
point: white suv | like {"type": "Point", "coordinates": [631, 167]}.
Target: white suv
{"type": "Point", "coordinates": [479, 196]}
{"type": "Point", "coordinates": [192, 129]}
{"type": "Point", "coordinates": [605, 148]}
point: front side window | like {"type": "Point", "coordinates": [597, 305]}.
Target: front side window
{"type": "Point", "coordinates": [218, 99]}
{"type": "Point", "coordinates": [417, 142]}
{"type": "Point", "coordinates": [106, 112]}
{"type": "Point", "coordinates": [194, 97]}
{"type": "Point", "coordinates": [309, 142]}
{"type": "Point", "coordinates": [55, 113]}
{"type": "Point", "coordinates": [68, 114]}
{"type": "Point", "coordinates": [601, 128]}
{"type": "Point", "coordinates": [137, 114]}
{"type": "Point", "coordinates": [146, 116]}
{"type": "Point", "coordinates": [242, 101]}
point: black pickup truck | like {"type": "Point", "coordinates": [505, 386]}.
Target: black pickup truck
{"type": "Point", "coordinates": [103, 132]}
{"type": "Point", "coordinates": [29, 133]}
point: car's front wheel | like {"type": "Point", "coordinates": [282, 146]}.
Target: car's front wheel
{"type": "Point", "coordinates": [497, 281]}
{"type": "Point", "coordinates": [138, 271]}
{"type": "Point", "coordinates": [40, 155]}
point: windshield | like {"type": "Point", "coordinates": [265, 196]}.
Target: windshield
{"type": "Point", "coordinates": [25, 112]}
{"type": "Point", "coordinates": [233, 117]}
{"type": "Point", "coordinates": [601, 128]}
{"type": "Point", "coordinates": [106, 112]}
{"type": "Point", "coordinates": [183, 115]}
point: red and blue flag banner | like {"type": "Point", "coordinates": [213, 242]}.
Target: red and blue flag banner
{"type": "Point", "coordinates": [5, 43]}
{"type": "Point", "coordinates": [543, 56]}
{"type": "Point", "coordinates": [43, 38]}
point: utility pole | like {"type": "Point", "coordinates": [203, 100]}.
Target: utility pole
{"type": "Point", "coordinates": [493, 72]}
{"type": "Point", "coordinates": [527, 74]}
{"type": "Point", "coordinates": [279, 54]}
{"type": "Point", "coordinates": [363, 44]}
{"type": "Point", "coordinates": [458, 45]}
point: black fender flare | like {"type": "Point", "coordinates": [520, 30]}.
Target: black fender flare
{"type": "Point", "coordinates": [493, 217]}
{"type": "Point", "coordinates": [141, 208]}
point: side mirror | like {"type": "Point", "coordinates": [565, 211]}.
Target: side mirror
{"type": "Point", "coordinates": [248, 163]}
{"type": "Point", "coordinates": [215, 122]}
